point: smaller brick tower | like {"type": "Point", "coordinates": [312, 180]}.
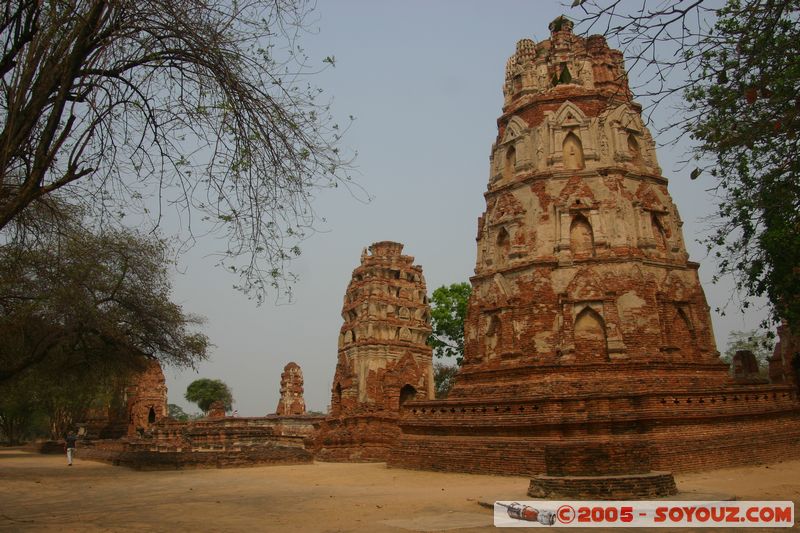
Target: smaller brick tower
{"type": "Point", "coordinates": [146, 398]}
{"type": "Point", "coordinates": [383, 359]}
{"type": "Point", "coordinates": [291, 402]}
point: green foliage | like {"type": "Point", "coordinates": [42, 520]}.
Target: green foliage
{"type": "Point", "coordinates": [747, 120]}
{"type": "Point", "coordinates": [444, 377]}
{"type": "Point", "coordinates": [758, 343]}
{"type": "Point", "coordinates": [74, 298]}
{"type": "Point", "coordinates": [448, 312]}
{"type": "Point", "coordinates": [49, 399]}
{"type": "Point", "coordinates": [205, 392]}
{"type": "Point", "coordinates": [177, 413]}
{"type": "Point", "coordinates": [17, 409]}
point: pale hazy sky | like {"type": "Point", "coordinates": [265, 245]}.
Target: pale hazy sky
{"type": "Point", "coordinates": [424, 81]}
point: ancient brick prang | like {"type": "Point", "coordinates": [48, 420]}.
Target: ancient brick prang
{"type": "Point", "coordinates": [217, 410]}
{"type": "Point", "coordinates": [383, 359]}
{"type": "Point", "coordinates": [784, 365]}
{"type": "Point", "coordinates": [587, 323]}
{"type": "Point", "coordinates": [291, 401]}
{"type": "Point", "coordinates": [146, 398]}
{"type": "Point", "coordinates": [134, 404]}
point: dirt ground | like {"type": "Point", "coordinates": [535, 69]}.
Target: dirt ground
{"type": "Point", "coordinates": [40, 493]}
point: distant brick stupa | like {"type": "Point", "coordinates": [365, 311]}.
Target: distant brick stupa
{"type": "Point", "coordinates": [291, 402]}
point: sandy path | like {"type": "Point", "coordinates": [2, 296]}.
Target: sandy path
{"type": "Point", "coordinates": [40, 493]}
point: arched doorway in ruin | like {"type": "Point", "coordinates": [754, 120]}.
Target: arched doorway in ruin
{"type": "Point", "coordinates": [682, 335]}
{"type": "Point", "coordinates": [503, 247]}
{"type": "Point", "coordinates": [408, 392]}
{"type": "Point", "coordinates": [337, 394]}
{"type": "Point", "coordinates": [659, 234]}
{"type": "Point", "coordinates": [151, 416]}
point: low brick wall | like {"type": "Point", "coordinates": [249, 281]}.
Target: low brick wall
{"type": "Point", "coordinates": [149, 460]}
{"type": "Point", "coordinates": [597, 459]}
{"type": "Point", "coordinates": [701, 430]}
{"type": "Point", "coordinates": [209, 443]}
{"type": "Point", "coordinates": [356, 438]}
{"type": "Point", "coordinates": [629, 487]}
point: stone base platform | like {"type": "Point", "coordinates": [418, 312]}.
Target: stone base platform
{"type": "Point", "coordinates": [616, 487]}
{"type": "Point", "coordinates": [148, 460]}
{"type": "Point", "coordinates": [365, 438]}
{"type": "Point", "coordinates": [684, 431]}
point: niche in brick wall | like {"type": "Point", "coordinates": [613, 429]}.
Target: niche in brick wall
{"type": "Point", "coordinates": [591, 343]}
{"type": "Point", "coordinates": [681, 335]}
{"type": "Point", "coordinates": [408, 392]}
{"type": "Point", "coordinates": [492, 337]}
{"type": "Point", "coordinates": [510, 163]}
{"type": "Point", "coordinates": [581, 237]}
{"type": "Point", "coordinates": [503, 247]}
{"type": "Point", "coordinates": [573, 152]}
{"type": "Point", "coordinates": [659, 234]}
{"type": "Point", "coordinates": [635, 150]}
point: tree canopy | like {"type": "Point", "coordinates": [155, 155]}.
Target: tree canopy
{"type": "Point", "coordinates": [747, 123]}
{"type": "Point", "coordinates": [73, 296]}
{"type": "Point", "coordinates": [202, 107]}
{"type": "Point", "coordinates": [448, 312]}
{"type": "Point", "coordinates": [176, 412]}
{"type": "Point", "coordinates": [444, 377]}
{"type": "Point", "coordinates": [205, 392]}
{"type": "Point", "coordinates": [754, 341]}
{"type": "Point", "coordinates": [737, 65]}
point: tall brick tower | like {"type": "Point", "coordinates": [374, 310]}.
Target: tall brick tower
{"type": "Point", "coordinates": [383, 358]}
{"type": "Point", "coordinates": [581, 260]}
{"type": "Point", "coordinates": [588, 343]}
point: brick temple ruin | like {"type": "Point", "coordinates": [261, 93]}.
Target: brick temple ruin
{"type": "Point", "coordinates": [146, 398]}
{"type": "Point", "coordinates": [589, 350]}
{"type": "Point", "coordinates": [291, 401]}
{"type": "Point", "coordinates": [139, 402]}
{"type": "Point", "coordinates": [383, 359]}
{"type": "Point", "coordinates": [154, 441]}
{"type": "Point", "coordinates": [590, 363]}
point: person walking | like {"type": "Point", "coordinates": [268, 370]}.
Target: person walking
{"type": "Point", "coordinates": [69, 444]}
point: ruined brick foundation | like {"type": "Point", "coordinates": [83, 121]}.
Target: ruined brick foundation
{"type": "Point", "coordinates": [210, 443]}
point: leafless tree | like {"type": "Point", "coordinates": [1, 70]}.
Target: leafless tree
{"type": "Point", "coordinates": [203, 106]}
{"type": "Point", "coordinates": [733, 68]}
{"type": "Point", "coordinates": [663, 42]}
